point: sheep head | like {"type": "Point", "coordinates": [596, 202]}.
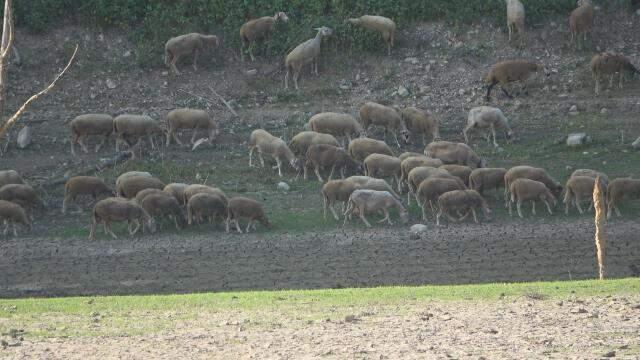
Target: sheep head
{"type": "Point", "coordinates": [212, 40]}
{"type": "Point", "coordinates": [281, 16]}
{"type": "Point", "coordinates": [324, 31]}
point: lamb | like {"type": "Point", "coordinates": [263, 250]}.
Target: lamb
{"type": "Point", "coordinates": [301, 142]}
{"type": "Point", "coordinates": [260, 28]}
{"type": "Point", "coordinates": [604, 179]}
{"type": "Point", "coordinates": [369, 183]}
{"type": "Point", "coordinates": [206, 205]}
{"type": "Point", "coordinates": [530, 190]}
{"type": "Point", "coordinates": [84, 185]}
{"type": "Point", "coordinates": [581, 20]}
{"type": "Point", "coordinates": [385, 26]}
{"type": "Point", "coordinates": [303, 54]}
{"type": "Point", "coordinates": [162, 204]}
{"type": "Point", "coordinates": [389, 118]}
{"type": "Point", "coordinates": [454, 153]}
{"type": "Point", "coordinates": [11, 213]}
{"type": "Point", "coordinates": [194, 189]}
{"type": "Point", "coordinates": [418, 175]}
{"type": "Point", "coordinates": [111, 210]}
{"type": "Point", "coordinates": [271, 145]}
{"type": "Point", "coordinates": [336, 190]}
{"type": "Point", "coordinates": [380, 165]}
{"type": "Point", "coordinates": [322, 156]}
{"type": "Point", "coordinates": [187, 44]}
{"type": "Point", "coordinates": [461, 201]}
{"type": "Point", "coordinates": [619, 189]}
{"type": "Point", "coordinates": [129, 174]}
{"type": "Point", "coordinates": [421, 122]}
{"type": "Point", "coordinates": [83, 126]}
{"type": "Point", "coordinates": [431, 188]}
{"type": "Point", "coordinates": [190, 119]}
{"type": "Point", "coordinates": [368, 201]}
{"type": "Point", "coordinates": [532, 173]}
{"type": "Point", "coordinates": [142, 194]}
{"type": "Point", "coordinates": [241, 207]}
{"type": "Point", "coordinates": [486, 179]}
{"type": "Point", "coordinates": [578, 189]}
{"type": "Point", "coordinates": [509, 71]}
{"type": "Point", "coordinates": [486, 117]}
{"type": "Point", "coordinates": [336, 124]}
{"type": "Point", "coordinates": [127, 125]}
{"type": "Point", "coordinates": [130, 186]}
{"type": "Point", "coordinates": [515, 18]}
{"type": "Point", "coordinates": [10, 177]}
{"type": "Point", "coordinates": [460, 171]}
{"type": "Point", "coordinates": [21, 194]}
{"type": "Point", "coordinates": [610, 64]}
{"type": "Point", "coordinates": [407, 154]}
{"type": "Point", "coordinates": [413, 162]}
{"type": "Point", "coordinates": [176, 190]}
{"type": "Point", "coordinates": [360, 148]}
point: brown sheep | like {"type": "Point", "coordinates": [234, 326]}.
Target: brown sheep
{"type": "Point", "coordinates": [530, 190]}
{"type": "Point", "coordinates": [581, 20]}
{"type": "Point", "coordinates": [268, 144]}
{"type": "Point", "coordinates": [111, 210]}
{"type": "Point", "coordinates": [460, 171]}
{"type": "Point", "coordinates": [431, 188]}
{"type": "Point", "coordinates": [604, 179]}
{"type": "Point", "coordinates": [241, 207]}
{"type": "Point", "coordinates": [407, 154]}
{"type": "Point", "coordinates": [10, 177]}
{"type": "Point", "coordinates": [11, 213]}
{"type": "Point", "coordinates": [385, 26]}
{"type": "Point", "coordinates": [486, 179]}
{"type": "Point", "coordinates": [130, 186]}
{"type": "Point", "coordinates": [83, 126]}
{"type": "Point", "coordinates": [176, 190]}
{"type": "Point", "coordinates": [187, 44]}
{"type": "Point", "coordinates": [146, 192]}
{"type": "Point", "coordinates": [620, 189]}
{"type": "Point", "coordinates": [422, 123]}
{"type": "Point", "coordinates": [529, 172]}
{"type": "Point", "coordinates": [84, 185]}
{"type": "Point", "coordinates": [191, 119]}
{"type": "Point", "coordinates": [206, 205]}
{"type": "Point", "coordinates": [454, 153]}
{"type": "Point", "coordinates": [412, 162]}
{"type": "Point", "coordinates": [577, 190]}
{"type": "Point", "coordinates": [260, 28]}
{"type": "Point", "coordinates": [21, 194]}
{"type": "Point", "coordinates": [380, 166]}
{"type": "Point", "coordinates": [389, 118]}
{"type": "Point", "coordinates": [194, 189]}
{"type": "Point", "coordinates": [418, 175]}
{"type": "Point", "coordinates": [336, 124]}
{"type": "Point", "coordinates": [610, 64]}
{"type": "Point", "coordinates": [301, 142]}
{"type": "Point", "coordinates": [509, 71]}
{"type": "Point", "coordinates": [336, 190]}
{"type": "Point", "coordinates": [126, 126]}
{"type": "Point", "coordinates": [360, 148]}
{"type": "Point", "coordinates": [323, 156]}
{"type": "Point", "coordinates": [163, 204]}
{"type": "Point", "coordinates": [515, 18]}
{"type": "Point", "coordinates": [461, 201]}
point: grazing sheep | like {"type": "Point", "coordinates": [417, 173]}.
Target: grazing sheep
{"type": "Point", "coordinates": [10, 177]}
{"type": "Point", "coordinates": [407, 154]}
{"type": "Point", "coordinates": [111, 210]}
{"type": "Point", "coordinates": [454, 153]}
{"type": "Point", "coordinates": [187, 44]}
{"type": "Point", "coordinates": [461, 201]}
{"type": "Point", "coordinates": [176, 190]}
{"type": "Point", "coordinates": [430, 189]}
{"type": "Point", "coordinates": [610, 64]}
{"type": "Point", "coordinates": [389, 118]}
{"type": "Point", "coordinates": [336, 190]}
{"type": "Point", "coordinates": [130, 186]}
{"type": "Point", "coordinates": [460, 171]}
{"type": "Point", "coordinates": [241, 207]}
{"type": "Point", "coordinates": [581, 20]}
{"type": "Point", "coordinates": [190, 119]}
{"type": "Point", "coordinates": [127, 125]}
{"type": "Point", "coordinates": [515, 18]}
{"type": "Point", "coordinates": [380, 166]}
{"type": "Point", "coordinates": [486, 179]}
{"type": "Point", "coordinates": [83, 126]}
{"type": "Point", "coordinates": [360, 148]}
{"type": "Point", "coordinates": [604, 179]}
{"type": "Point", "coordinates": [84, 185]}
{"type": "Point", "coordinates": [142, 194]}
{"type": "Point", "coordinates": [336, 124]}
{"type": "Point", "coordinates": [303, 54]}
{"type": "Point", "coordinates": [21, 194]}
{"type": "Point", "coordinates": [421, 122]}
{"type": "Point", "coordinates": [369, 201]}
{"type": "Point", "coordinates": [260, 28]}
{"type": "Point", "coordinates": [620, 189]}
{"type": "Point", "coordinates": [413, 162]}
{"type": "Point", "coordinates": [486, 117]}
{"type": "Point", "coordinates": [530, 190]}
{"type": "Point", "coordinates": [418, 175]}
{"type": "Point", "coordinates": [385, 26]}
{"type": "Point", "coordinates": [323, 156]}
{"type": "Point", "coordinates": [194, 189]}
{"type": "Point", "coordinates": [529, 172]}
{"type": "Point", "coordinates": [11, 213]}
{"type": "Point", "coordinates": [162, 204]}
{"type": "Point", "coordinates": [577, 190]}
{"type": "Point", "coordinates": [129, 174]}
{"type": "Point", "coordinates": [369, 183]}
{"type": "Point", "coordinates": [301, 142]}
{"type": "Point", "coordinates": [509, 71]}
{"type": "Point", "coordinates": [206, 205]}
{"type": "Point", "coordinates": [271, 145]}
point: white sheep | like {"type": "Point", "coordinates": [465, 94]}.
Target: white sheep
{"type": "Point", "coordinates": [268, 144]}
{"type": "Point", "coordinates": [370, 201]}
{"type": "Point", "coordinates": [336, 124]}
{"type": "Point", "coordinates": [487, 117]}
{"type": "Point", "coordinates": [260, 28]}
{"type": "Point", "coordinates": [190, 119]}
{"type": "Point", "coordinates": [389, 118]}
{"type": "Point", "coordinates": [127, 125]}
{"type": "Point", "coordinates": [187, 44]}
{"type": "Point", "coordinates": [530, 190]}
{"type": "Point", "coordinates": [515, 18]}
{"type": "Point", "coordinates": [83, 126]}
{"type": "Point", "coordinates": [369, 183]}
{"type": "Point", "coordinates": [303, 54]}
{"type": "Point", "coordinates": [421, 122]}
{"type": "Point", "coordinates": [385, 26]}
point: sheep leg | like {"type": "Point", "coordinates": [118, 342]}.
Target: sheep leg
{"type": "Point", "coordinates": [424, 211]}
{"type": "Point", "coordinates": [549, 207]}
{"type": "Point", "coordinates": [153, 146]}
{"type": "Point", "coordinates": [174, 60]}
{"type": "Point", "coordinates": [104, 140]}
{"type": "Point", "coordinates": [438, 216]}
{"type": "Point", "coordinates": [227, 222]}
{"type": "Point", "coordinates": [475, 217]}
{"type": "Point", "coordinates": [279, 164]}
{"type": "Point", "coordinates": [333, 211]}
{"type": "Point", "coordinates": [296, 75]}
{"type": "Point", "coordinates": [286, 80]}
{"type": "Point", "coordinates": [250, 155]}
{"type": "Point", "coordinates": [364, 219]}
{"type": "Point", "coordinates": [505, 92]}
{"type": "Point", "coordinates": [395, 136]}
{"type": "Point", "coordinates": [248, 226]}
{"type": "Point", "coordinates": [621, 78]}
{"type": "Point", "coordinates": [193, 137]}
{"type": "Point", "coordinates": [493, 131]}
{"type": "Point", "coordinates": [398, 183]}
{"type": "Point", "coordinates": [15, 230]}
{"type": "Point", "coordinates": [590, 206]}
{"type": "Point", "coordinates": [489, 88]}
{"type": "Point", "coordinates": [83, 144]}
{"type": "Point", "coordinates": [579, 207]}
{"type": "Point", "coordinates": [238, 226]}
{"type": "Point", "coordinates": [315, 65]}
{"type": "Point", "coordinates": [137, 223]}
{"type": "Point", "coordinates": [519, 208]}
{"type": "Point", "coordinates": [333, 168]}
{"type": "Point", "coordinates": [567, 203]}
{"type": "Point", "coordinates": [107, 229]}
{"type": "Point", "coordinates": [6, 227]}
{"type": "Point", "coordinates": [195, 60]}
{"type": "Point", "coordinates": [533, 207]}
{"type": "Point", "coordinates": [261, 158]}
{"type": "Point", "coordinates": [465, 133]}
{"type": "Point", "coordinates": [317, 171]}
{"type": "Point", "coordinates": [510, 30]}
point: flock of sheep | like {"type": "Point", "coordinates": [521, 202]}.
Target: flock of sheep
{"type": "Point", "coordinates": [449, 179]}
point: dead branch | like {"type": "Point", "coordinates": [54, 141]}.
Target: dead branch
{"type": "Point", "coordinates": [224, 101]}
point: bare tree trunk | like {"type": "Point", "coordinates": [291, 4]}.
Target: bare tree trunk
{"type": "Point", "coordinates": [601, 222]}
{"type": "Point", "coordinates": [5, 51]}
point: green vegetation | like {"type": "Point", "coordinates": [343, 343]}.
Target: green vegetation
{"type": "Point", "coordinates": [113, 315]}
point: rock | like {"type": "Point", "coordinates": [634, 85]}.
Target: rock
{"type": "Point", "coordinates": [24, 137]}
{"type": "Point", "coordinates": [283, 186]}
{"type": "Point", "coordinates": [579, 311]}
{"type": "Point", "coordinates": [127, 53]}
{"type": "Point", "coordinates": [252, 72]}
{"type": "Point", "coordinates": [604, 111]}
{"type": "Point", "coordinates": [610, 354]}
{"type": "Point", "coordinates": [402, 91]}
{"type": "Point", "coordinates": [418, 229]}
{"type": "Point", "coordinates": [636, 144]}
{"type": "Point", "coordinates": [578, 139]}
{"type": "Point", "coordinates": [574, 108]}
{"type": "Point", "coordinates": [350, 318]}
{"type": "Point", "coordinates": [461, 92]}
{"type": "Point", "coordinates": [111, 84]}
{"type": "Point", "coordinates": [411, 60]}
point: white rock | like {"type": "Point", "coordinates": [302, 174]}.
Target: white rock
{"type": "Point", "coordinates": [127, 53]}
{"type": "Point", "coordinates": [604, 111]}
{"type": "Point", "coordinates": [577, 139]}
{"type": "Point", "coordinates": [111, 84]}
{"type": "Point", "coordinates": [283, 186]}
{"type": "Point", "coordinates": [402, 91]}
{"type": "Point", "coordinates": [574, 108]}
{"type": "Point", "coordinates": [418, 229]}
{"type": "Point", "coordinates": [252, 72]}
{"type": "Point", "coordinates": [24, 137]}
{"type": "Point", "coordinates": [636, 144]}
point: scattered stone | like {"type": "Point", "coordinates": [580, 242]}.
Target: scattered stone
{"type": "Point", "coordinates": [283, 186]}
{"type": "Point", "coordinates": [636, 144]}
{"type": "Point", "coordinates": [573, 108]}
{"type": "Point", "coordinates": [111, 84]}
{"type": "Point", "coordinates": [402, 91]}
{"type": "Point", "coordinates": [610, 354]}
{"type": "Point", "coordinates": [24, 137]}
{"type": "Point", "coordinates": [350, 318]}
{"type": "Point", "coordinates": [252, 72]}
{"type": "Point", "coordinates": [411, 60]}
{"type": "Point", "coordinates": [579, 311]}
{"type": "Point", "coordinates": [578, 139]}
{"type": "Point", "coordinates": [604, 111]}
{"type": "Point", "coordinates": [418, 229]}
{"type": "Point", "coordinates": [127, 53]}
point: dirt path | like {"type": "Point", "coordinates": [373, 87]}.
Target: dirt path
{"type": "Point", "coordinates": [493, 252]}
{"type": "Point", "coordinates": [505, 329]}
